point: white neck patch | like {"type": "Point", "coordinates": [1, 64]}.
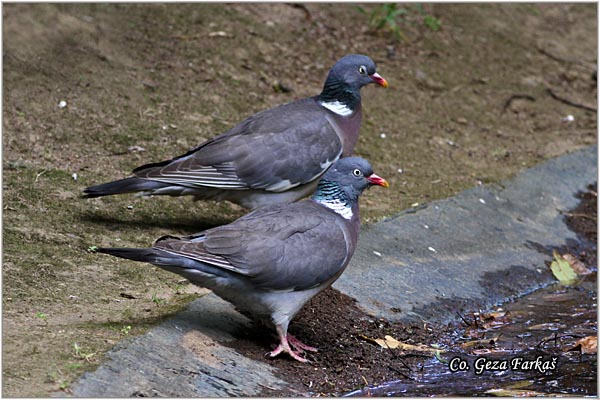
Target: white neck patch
{"type": "Point", "coordinates": [338, 207]}
{"type": "Point", "coordinates": [337, 107]}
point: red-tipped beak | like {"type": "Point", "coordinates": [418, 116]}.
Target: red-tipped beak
{"type": "Point", "coordinates": [378, 79]}
{"type": "Point", "coordinates": [377, 180]}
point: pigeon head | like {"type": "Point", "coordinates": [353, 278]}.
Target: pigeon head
{"type": "Point", "coordinates": [346, 78]}
{"type": "Point", "coordinates": [343, 183]}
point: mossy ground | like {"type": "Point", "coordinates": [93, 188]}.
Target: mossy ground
{"type": "Point", "coordinates": [165, 77]}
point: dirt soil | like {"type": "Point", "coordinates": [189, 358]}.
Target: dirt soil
{"type": "Point", "coordinates": [92, 91]}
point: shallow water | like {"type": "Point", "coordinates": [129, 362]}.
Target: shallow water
{"type": "Point", "coordinates": [526, 350]}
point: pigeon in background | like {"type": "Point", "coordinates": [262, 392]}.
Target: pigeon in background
{"type": "Point", "coordinates": [270, 262]}
{"type": "Point", "coordinates": [274, 156]}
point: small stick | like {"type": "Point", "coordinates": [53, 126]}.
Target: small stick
{"type": "Point", "coordinates": [570, 102]}
{"type": "Point", "coordinates": [508, 102]}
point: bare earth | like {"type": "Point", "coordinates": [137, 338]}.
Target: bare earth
{"type": "Point", "coordinates": [475, 102]}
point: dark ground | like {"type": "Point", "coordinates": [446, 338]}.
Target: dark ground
{"type": "Point", "coordinates": [476, 101]}
{"type": "Point", "coordinates": [336, 326]}
{"type": "Point", "coordinates": [584, 221]}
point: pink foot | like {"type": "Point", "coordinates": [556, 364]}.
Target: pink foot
{"type": "Point", "coordinates": [282, 349]}
{"type": "Point", "coordinates": [298, 345]}
{"type": "Point", "coordinates": [284, 345]}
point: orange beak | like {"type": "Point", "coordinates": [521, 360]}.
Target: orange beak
{"type": "Point", "coordinates": [377, 180]}
{"type": "Point", "coordinates": [378, 79]}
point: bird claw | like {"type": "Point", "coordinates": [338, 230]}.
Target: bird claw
{"type": "Point", "coordinates": [299, 346]}
{"type": "Point", "coordinates": [281, 349]}
{"type": "Point", "coordinates": [285, 340]}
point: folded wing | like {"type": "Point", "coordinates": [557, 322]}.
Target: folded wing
{"type": "Point", "coordinates": [275, 150]}
{"type": "Point", "coordinates": [280, 249]}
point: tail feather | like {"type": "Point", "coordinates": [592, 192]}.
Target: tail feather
{"type": "Point", "coordinates": [145, 255]}
{"type": "Point", "coordinates": [160, 258]}
{"type": "Point", "coordinates": [127, 185]}
{"type": "Point", "coordinates": [197, 272]}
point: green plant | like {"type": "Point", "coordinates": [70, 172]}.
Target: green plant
{"type": "Point", "coordinates": [157, 300]}
{"type": "Point", "coordinates": [178, 288]}
{"type": "Point", "coordinates": [51, 377]}
{"type": "Point", "coordinates": [125, 330]}
{"type": "Point", "coordinates": [432, 23]}
{"type": "Point", "coordinates": [74, 366]}
{"type": "Point", "coordinates": [41, 316]}
{"type": "Point", "coordinates": [83, 354]}
{"type": "Point", "coordinates": [385, 17]}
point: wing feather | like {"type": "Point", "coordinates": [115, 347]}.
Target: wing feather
{"type": "Point", "coordinates": [293, 247]}
{"type": "Point", "coordinates": [274, 150]}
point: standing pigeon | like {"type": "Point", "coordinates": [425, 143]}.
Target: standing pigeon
{"type": "Point", "coordinates": [274, 259]}
{"type": "Point", "coordinates": [275, 156]}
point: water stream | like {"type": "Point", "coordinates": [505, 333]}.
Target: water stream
{"type": "Point", "coordinates": [529, 348]}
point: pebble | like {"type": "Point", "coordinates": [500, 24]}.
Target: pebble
{"type": "Point", "coordinates": [568, 118]}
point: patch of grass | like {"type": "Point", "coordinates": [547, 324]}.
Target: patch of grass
{"type": "Point", "coordinates": [390, 17]}
{"type": "Point", "coordinates": [57, 377]}
{"type": "Point", "coordinates": [432, 23]}
{"type": "Point", "coordinates": [74, 366]}
{"type": "Point", "coordinates": [384, 18]}
{"type": "Point", "coordinates": [83, 353]}
{"type": "Point", "coordinates": [125, 330]}
{"type": "Point", "coordinates": [157, 300]}
{"type": "Point", "coordinates": [178, 288]}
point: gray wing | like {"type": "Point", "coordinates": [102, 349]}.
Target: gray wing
{"type": "Point", "coordinates": [274, 150]}
{"type": "Point", "coordinates": [282, 248]}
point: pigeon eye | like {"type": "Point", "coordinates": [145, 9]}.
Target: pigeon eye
{"type": "Point", "coordinates": [362, 70]}
{"type": "Point", "coordinates": [357, 172]}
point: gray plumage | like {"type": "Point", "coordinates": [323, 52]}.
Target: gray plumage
{"type": "Point", "coordinates": [274, 156]}
{"type": "Point", "coordinates": [271, 261]}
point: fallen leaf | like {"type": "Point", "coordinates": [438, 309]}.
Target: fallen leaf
{"type": "Point", "coordinates": [495, 318]}
{"type": "Point", "coordinates": [519, 393]}
{"type": "Point", "coordinates": [516, 389]}
{"type": "Point", "coordinates": [220, 34]}
{"type": "Point", "coordinates": [494, 314]}
{"type": "Point", "coordinates": [391, 343]}
{"type": "Point", "coordinates": [495, 350]}
{"type": "Point", "coordinates": [578, 266]}
{"type": "Point", "coordinates": [587, 345]}
{"type": "Point", "coordinates": [548, 326]}
{"type": "Point", "coordinates": [562, 270]}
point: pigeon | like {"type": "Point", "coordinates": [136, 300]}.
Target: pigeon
{"type": "Point", "coordinates": [274, 156]}
{"type": "Point", "coordinates": [270, 262]}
